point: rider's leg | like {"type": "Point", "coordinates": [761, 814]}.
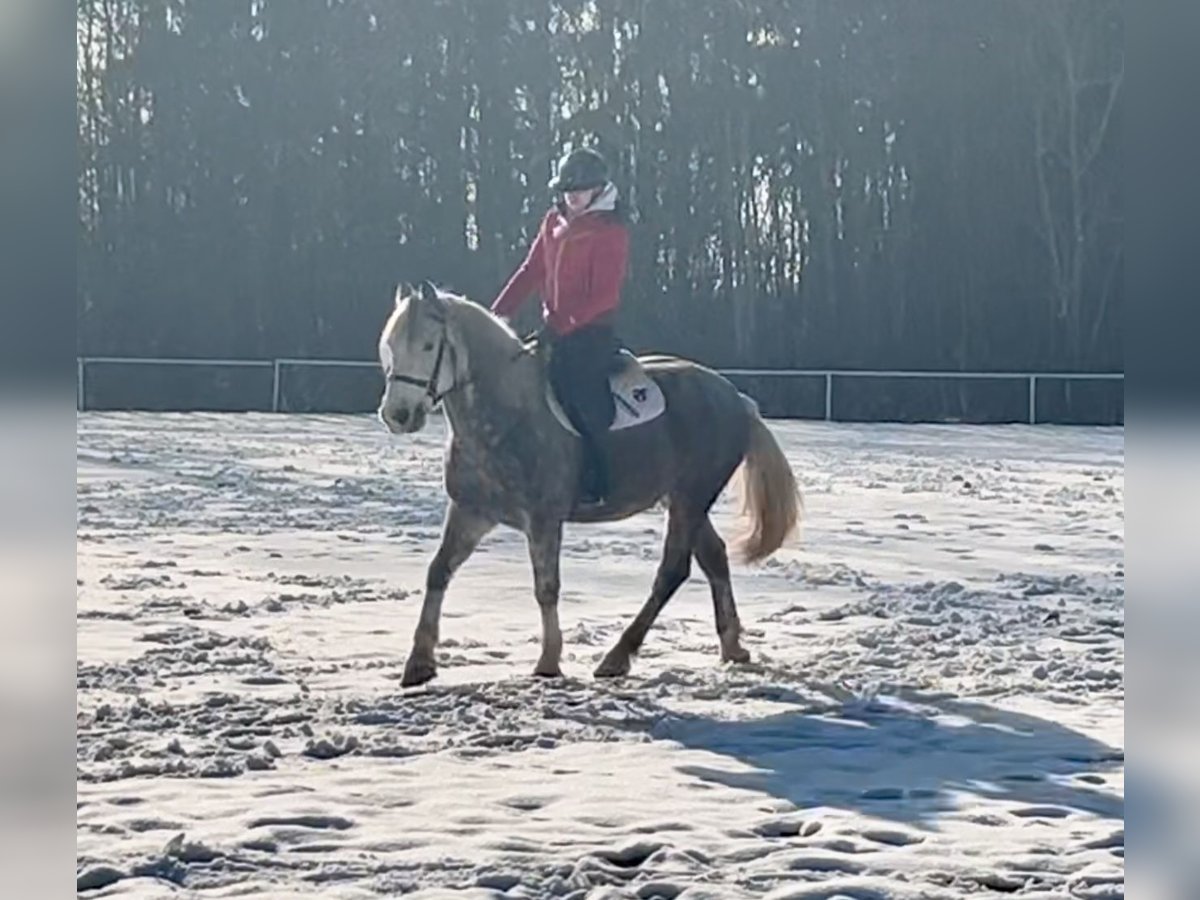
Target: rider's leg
{"type": "Point", "coordinates": [588, 357]}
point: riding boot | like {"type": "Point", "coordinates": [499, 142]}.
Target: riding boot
{"type": "Point", "coordinates": [594, 475]}
{"type": "Point", "coordinates": [579, 368]}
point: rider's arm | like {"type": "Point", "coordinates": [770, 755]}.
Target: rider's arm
{"type": "Point", "coordinates": [523, 281]}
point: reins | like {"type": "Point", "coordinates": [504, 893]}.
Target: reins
{"type": "Point", "coordinates": [529, 347]}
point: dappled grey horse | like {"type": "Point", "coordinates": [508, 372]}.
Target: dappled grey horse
{"type": "Point", "coordinates": [511, 460]}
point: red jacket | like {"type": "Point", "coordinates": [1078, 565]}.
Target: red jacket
{"type": "Point", "coordinates": [578, 268]}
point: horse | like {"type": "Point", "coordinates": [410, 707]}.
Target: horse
{"type": "Point", "coordinates": [512, 461]}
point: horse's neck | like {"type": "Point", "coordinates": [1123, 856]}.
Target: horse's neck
{"type": "Point", "coordinates": [502, 386]}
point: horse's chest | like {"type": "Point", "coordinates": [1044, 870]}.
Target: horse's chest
{"type": "Point", "coordinates": [481, 484]}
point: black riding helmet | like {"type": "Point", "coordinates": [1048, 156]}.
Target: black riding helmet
{"type": "Point", "coordinates": [580, 170]}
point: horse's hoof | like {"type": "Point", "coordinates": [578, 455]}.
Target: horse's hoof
{"type": "Point", "coordinates": [417, 671]}
{"type": "Point", "coordinates": [738, 656]}
{"type": "Point", "coordinates": [547, 672]}
{"type": "Point", "coordinates": [613, 666]}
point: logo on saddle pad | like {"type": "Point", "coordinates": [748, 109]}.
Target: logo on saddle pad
{"type": "Point", "coordinates": [637, 396]}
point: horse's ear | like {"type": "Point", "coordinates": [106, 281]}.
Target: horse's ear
{"type": "Point", "coordinates": [403, 290]}
{"type": "Point", "coordinates": [429, 293]}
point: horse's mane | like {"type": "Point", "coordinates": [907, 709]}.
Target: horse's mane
{"type": "Point", "coordinates": [490, 349]}
{"type": "Point", "coordinates": [477, 321]}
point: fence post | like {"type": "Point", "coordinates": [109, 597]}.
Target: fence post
{"type": "Point", "coordinates": [1032, 399]}
{"type": "Point", "coordinates": [275, 387]}
{"type": "Point", "coordinates": [828, 396]}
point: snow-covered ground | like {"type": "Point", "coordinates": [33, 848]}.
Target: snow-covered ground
{"type": "Point", "coordinates": [934, 710]}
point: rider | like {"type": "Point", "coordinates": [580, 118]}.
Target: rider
{"type": "Point", "coordinates": [578, 262]}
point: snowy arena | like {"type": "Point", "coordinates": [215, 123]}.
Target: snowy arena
{"type": "Point", "coordinates": [934, 708]}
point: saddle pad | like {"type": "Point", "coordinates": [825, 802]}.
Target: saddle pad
{"type": "Point", "coordinates": [637, 396]}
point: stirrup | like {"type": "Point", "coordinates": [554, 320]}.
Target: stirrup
{"type": "Point", "coordinates": [586, 499]}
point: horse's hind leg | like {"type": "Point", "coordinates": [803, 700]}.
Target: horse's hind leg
{"type": "Point", "coordinates": [673, 571]}
{"type": "Point", "coordinates": [460, 536]}
{"type": "Point", "coordinates": [710, 554]}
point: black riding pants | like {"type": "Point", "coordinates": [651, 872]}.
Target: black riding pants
{"type": "Point", "coordinates": [580, 364]}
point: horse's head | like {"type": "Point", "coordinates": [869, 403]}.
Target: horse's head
{"type": "Point", "coordinates": [416, 359]}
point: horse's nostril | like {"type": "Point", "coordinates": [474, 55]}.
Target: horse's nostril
{"type": "Point", "coordinates": [402, 416]}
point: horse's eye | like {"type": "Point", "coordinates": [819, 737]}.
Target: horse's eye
{"type": "Point", "coordinates": [429, 346]}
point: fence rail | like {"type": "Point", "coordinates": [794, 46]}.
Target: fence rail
{"type": "Point", "coordinates": [1032, 379]}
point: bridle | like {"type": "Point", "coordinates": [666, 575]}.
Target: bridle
{"type": "Point", "coordinates": [430, 384]}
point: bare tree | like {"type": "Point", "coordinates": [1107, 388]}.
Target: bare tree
{"type": "Point", "coordinates": [851, 184]}
{"type": "Point", "coordinates": [1078, 71]}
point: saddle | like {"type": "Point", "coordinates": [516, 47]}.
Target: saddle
{"type": "Point", "coordinates": [637, 398]}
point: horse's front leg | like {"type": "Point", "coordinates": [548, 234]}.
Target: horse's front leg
{"type": "Point", "coordinates": [545, 544]}
{"type": "Point", "coordinates": [461, 534]}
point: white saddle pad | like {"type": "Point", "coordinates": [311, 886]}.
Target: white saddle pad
{"type": "Point", "coordinates": [637, 397]}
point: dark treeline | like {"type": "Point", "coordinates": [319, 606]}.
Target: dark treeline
{"type": "Point", "coordinates": [853, 184]}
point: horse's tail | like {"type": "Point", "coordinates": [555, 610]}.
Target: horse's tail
{"type": "Point", "coordinates": [769, 494]}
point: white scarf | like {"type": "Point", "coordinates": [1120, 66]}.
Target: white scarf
{"type": "Point", "coordinates": [605, 201]}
